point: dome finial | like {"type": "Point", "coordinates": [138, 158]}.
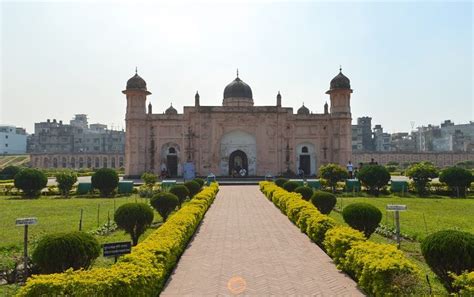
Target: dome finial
{"type": "Point", "coordinates": [136, 70]}
{"type": "Point", "coordinates": [340, 68]}
{"type": "Point", "coordinates": [237, 72]}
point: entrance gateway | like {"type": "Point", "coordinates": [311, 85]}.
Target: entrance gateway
{"type": "Point", "coordinates": [238, 161]}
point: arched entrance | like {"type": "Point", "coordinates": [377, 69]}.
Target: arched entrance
{"type": "Point", "coordinates": [237, 161]}
{"type": "Point", "coordinates": [234, 142]}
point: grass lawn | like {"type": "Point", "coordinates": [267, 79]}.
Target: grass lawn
{"type": "Point", "coordinates": [424, 216]}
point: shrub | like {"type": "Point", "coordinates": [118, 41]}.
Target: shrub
{"type": "Point", "coordinates": [200, 181]}
{"type": "Point", "coordinates": [164, 203]}
{"type": "Point", "coordinates": [323, 201]}
{"type": "Point", "coordinates": [193, 188]}
{"type": "Point", "coordinates": [61, 251]}
{"type": "Point", "coordinates": [181, 192]}
{"type": "Point", "coordinates": [458, 179]}
{"type": "Point", "coordinates": [374, 177]}
{"type": "Point", "coordinates": [464, 283]}
{"type": "Point", "coordinates": [339, 240]}
{"type": "Point", "coordinates": [333, 173]}
{"type": "Point", "coordinates": [105, 180]}
{"type": "Point", "coordinates": [31, 182]}
{"type": "Point", "coordinates": [422, 173]}
{"type": "Point", "coordinates": [363, 217]}
{"type": "Point", "coordinates": [291, 186]}
{"type": "Point", "coordinates": [9, 172]}
{"type": "Point", "coordinates": [280, 181]}
{"type": "Point", "coordinates": [449, 251]}
{"type": "Point", "coordinates": [66, 179]}
{"type": "Point", "coordinates": [149, 178]}
{"type": "Point", "coordinates": [134, 219]}
{"type": "Point", "coordinates": [317, 226]}
{"type": "Point", "coordinates": [391, 168]}
{"type": "Point", "coordinates": [145, 191]}
{"type": "Point", "coordinates": [306, 192]}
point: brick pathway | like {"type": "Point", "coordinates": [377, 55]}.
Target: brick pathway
{"type": "Point", "coordinates": [245, 245]}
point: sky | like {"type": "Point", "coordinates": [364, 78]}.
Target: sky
{"type": "Point", "coordinates": [410, 63]}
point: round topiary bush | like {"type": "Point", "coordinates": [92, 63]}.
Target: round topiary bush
{"type": "Point", "coordinates": [363, 217]}
{"type": "Point", "coordinates": [59, 252]}
{"type": "Point", "coordinates": [193, 188]}
{"type": "Point", "coordinates": [31, 182]}
{"type": "Point", "coordinates": [66, 179]}
{"type": "Point", "coordinates": [374, 177]}
{"type": "Point", "coordinates": [134, 218]}
{"type": "Point", "coordinates": [164, 203]}
{"type": "Point", "coordinates": [181, 192]}
{"type": "Point", "coordinates": [280, 181]}
{"type": "Point", "coordinates": [458, 179]}
{"type": "Point", "coordinates": [306, 192]}
{"type": "Point", "coordinates": [291, 186]}
{"type": "Point", "coordinates": [105, 180]}
{"type": "Point", "coordinates": [200, 181]}
{"type": "Point", "coordinates": [449, 251]}
{"type": "Point", "coordinates": [323, 201]}
{"type": "Point", "coordinates": [9, 172]}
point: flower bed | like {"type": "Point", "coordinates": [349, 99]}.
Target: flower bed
{"type": "Point", "coordinates": [379, 269]}
{"type": "Point", "coordinates": [141, 273]}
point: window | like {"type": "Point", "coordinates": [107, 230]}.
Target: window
{"type": "Point", "coordinates": [172, 150]}
{"type": "Point", "coordinates": [6, 144]}
{"type": "Point", "coordinates": [6, 136]}
{"type": "Point", "coordinates": [304, 149]}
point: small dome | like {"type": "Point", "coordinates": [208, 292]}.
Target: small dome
{"type": "Point", "coordinates": [303, 110]}
{"type": "Point", "coordinates": [237, 89]}
{"type": "Point", "coordinates": [171, 110]}
{"type": "Point", "coordinates": [196, 96]}
{"type": "Point", "coordinates": [340, 81]}
{"type": "Point", "coordinates": [136, 83]}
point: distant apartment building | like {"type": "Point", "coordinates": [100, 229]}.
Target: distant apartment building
{"type": "Point", "coordinates": [362, 139]}
{"type": "Point", "coordinates": [12, 140]}
{"type": "Point", "coordinates": [382, 140]}
{"type": "Point", "coordinates": [446, 137]}
{"type": "Point", "coordinates": [76, 145]}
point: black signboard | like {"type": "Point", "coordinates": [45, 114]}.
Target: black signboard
{"type": "Point", "coordinates": [117, 248]}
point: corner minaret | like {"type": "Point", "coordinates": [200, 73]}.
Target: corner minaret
{"type": "Point", "coordinates": [135, 121]}
{"type": "Point", "coordinates": [340, 94]}
{"type": "Point", "coordinates": [196, 99]}
{"type": "Point", "coordinates": [279, 99]}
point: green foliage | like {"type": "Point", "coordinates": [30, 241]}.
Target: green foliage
{"type": "Point", "coordinates": [181, 192]}
{"type": "Point", "coordinates": [391, 168]}
{"type": "Point", "coordinates": [464, 283]}
{"type": "Point", "coordinates": [393, 163]}
{"type": "Point", "coordinates": [9, 172]}
{"type": "Point", "coordinates": [324, 201]}
{"type": "Point", "coordinates": [164, 203]}
{"type": "Point", "coordinates": [59, 252]}
{"type": "Point", "coordinates": [149, 178]}
{"type": "Point", "coordinates": [374, 177]}
{"type": "Point", "coordinates": [281, 181]}
{"type": "Point", "coordinates": [363, 217]}
{"type": "Point", "coordinates": [66, 179]}
{"type": "Point", "coordinates": [105, 180]}
{"type": "Point", "coordinates": [193, 188]}
{"type": "Point", "coordinates": [458, 179]}
{"type": "Point", "coordinates": [422, 173]}
{"type": "Point", "coordinates": [339, 240]}
{"type": "Point", "coordinates": [200, 181]}
{"type": "Point", "coordinates": [449, 251]}
{"type": "Point", "coordinates": [291, 186]}
{"type": "Point", "coordinates": [134, 218]}
{"type": "Point", "coordinates": [333, 173]}
{"type": "Point", "coordinates": [31, 182]}
{"type": "Point", "coordinates": [306, 192]}
{"type": "Point", "coordinates": [469, 164]}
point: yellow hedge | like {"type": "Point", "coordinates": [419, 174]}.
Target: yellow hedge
{"type": "Point", "coordinates": [141, 273]}
{"type": "Point", "coordinates": [464, 283]}
{"type": "Point", "coordinates": [380, 269]}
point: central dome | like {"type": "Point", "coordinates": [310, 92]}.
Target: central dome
{"type": "Point", "coordinates": [238, 93]}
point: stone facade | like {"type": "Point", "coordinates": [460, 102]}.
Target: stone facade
{"type": "Point", "coordinates": [439, 159]}
{"type": "Point", "coordinates": [220, 139]}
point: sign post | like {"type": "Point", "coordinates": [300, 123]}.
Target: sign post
{"type": "Point", "coordinates": [397, 208]}
{"type": "Point", "coordinates": [116, 249]}
{"type": "Point", "coordinates": [25, 222]}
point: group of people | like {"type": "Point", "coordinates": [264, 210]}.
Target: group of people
{"type": "Point", "coordinates": [353, 170]}
{"type": "Point", "coordinates": [239, 172]}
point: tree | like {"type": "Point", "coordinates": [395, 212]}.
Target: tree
{"type": "Point", "coordinates": [31, 182]}
{"type": "Point", "coordinates": [457, 179]}
{"type": "Point", "coordinates": [56, 253]}
{"type": "Point", "coordinates": [181, 192]}
{"type": "Point", "coordinates": [134, 219]}
{"type": "Point", "coordinates": [149, 179]}
{"type": "Point", "coordinates": [422, 173]}
{"type": "Point", "coordinates": [333, 173]}
{"type": "Point", "coordinates": [164, 203]}
{"type": "Point", "coordinates": [363, 217]}
{"type": "Point", "coordinates": [374, 177]}
{"type": "Point", "coordinates": [66, 179]}
{"type": "Point", "coordinates": [106, 181]}
{"type": "Point", "coordinates": [9, 172]}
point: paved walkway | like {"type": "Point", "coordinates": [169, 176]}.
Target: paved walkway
{"type": "Point", "coordinates": [246, 246]}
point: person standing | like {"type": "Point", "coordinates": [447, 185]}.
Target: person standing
{"type": "Point", "coordinates": [350, 169]}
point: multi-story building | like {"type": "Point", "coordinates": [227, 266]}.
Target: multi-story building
{"type": "Point", "coordinates": [12, 140]}
{"type": "Point", "coordinates": [362, 136]}
{"type": "Point", "coordinates": [76, 145]}
{"type": "Point", "coordinates": [382, 140]}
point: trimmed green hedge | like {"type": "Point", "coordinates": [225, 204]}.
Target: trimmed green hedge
{"type": "Point", "coordinates": [141, 273]}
